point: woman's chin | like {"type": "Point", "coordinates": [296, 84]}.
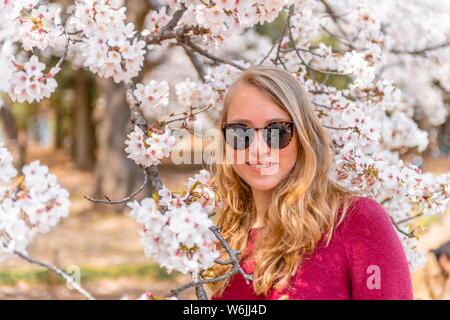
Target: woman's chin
{"type": "Point", "coordinates": [264, 179]}
{"type": "Point", "coordinates": [262, 183]}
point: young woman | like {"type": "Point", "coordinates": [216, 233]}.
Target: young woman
{"type": "Point", "coordinates": [301, 235]}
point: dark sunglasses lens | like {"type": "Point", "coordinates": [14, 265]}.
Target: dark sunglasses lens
{"type": "Point", "coordinates": [239, 137]}
{"type": "Point", "coordinates": [278, 136]}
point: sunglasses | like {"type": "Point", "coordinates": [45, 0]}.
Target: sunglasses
{"type": "Point", "coordinates": [277, 135]}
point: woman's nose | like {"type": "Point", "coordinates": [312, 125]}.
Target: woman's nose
{"type": "Point", "coordinates": [258, 147]}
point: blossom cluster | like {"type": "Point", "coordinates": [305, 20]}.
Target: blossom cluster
{"type": "Point", "coordinates": [403, 189]}
{"type": "Point", "coordinates": [220, 16]}
{"type": "Point", "coordinates": [152, 95]}
{"type": "Point", "coordinates": [149, 148]}
{"type": "Point", "coordinates": [179, 238]}
{"type": "Point", "coordinates": [35, 25]}
{"type": "Point", "coordinates": [192, 94]}
{"type": "Point", "coordinates": [33, 205]}
{"type": "Point", "coordinates": [40, 27]}
{"type": "Point", "coordinates": [110, 46]}
{"type": "Point", "coordinates": [30, 82]}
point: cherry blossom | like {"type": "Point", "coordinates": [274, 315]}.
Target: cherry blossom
{"type": "Point", "coordinates": [110, 47]}
{"type": "Point", "coordinates": [40, 27]}
{"type": "Point", "coordinates": [179, 238]}
{"type": "Point", "coordinates": [6, 65]}
{"type": "Point", "coordinates": [152, 95]}
{"type": "Point", "coordinates": [192, 94]}
{"type": "Point", "coordinates": [148, 149]}
{"type": "Point", "coordinates": [30, 83]}
{"type": "Point", "coordinates": [156, 20]}
{"type": "Point", "coordinates": [221, 77]}
{"type": "Point", "coordinates": [33, 206]}
{"type": "Point", "coordinates": [357, 64]}
{"type": "Point", "coordinates": [7, 171]}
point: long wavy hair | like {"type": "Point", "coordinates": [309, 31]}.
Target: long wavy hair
{"type": "Point", "coordinates": [304, 206]}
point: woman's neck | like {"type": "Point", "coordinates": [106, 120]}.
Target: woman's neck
{"type": "Point", "coordinates": [262, 201]}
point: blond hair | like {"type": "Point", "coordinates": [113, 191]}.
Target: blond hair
{"type": "Point", "coordinates": [304, 205]}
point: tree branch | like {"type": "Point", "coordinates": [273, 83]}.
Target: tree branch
{"type": "Point", "coordinates": [335, 17]}
{"type": "Point", "coordinates": [57, 270]}
{"type": "Point", "coordinates": [308, 66]}
{"type": "Point", "coordinates": [421, 51]}
{"type": "Point", "coordinates": [198, 65]}
{"type": "Point", "coordinates": [408, 234]}
{"type": "Point", "coordinates": [175, 18]}
{"type": "Point", "coordinates": [277, 57]}
{"type": "Point", "coordinates": [109, 201]}
{"type": "Point", "coordinates": [278, 41]}
{"type": "Point", "coordinates": [187, 40]}
{"type": "Point", "coordinates": [410, 218]}
{"type": "Point", "coordinates": [186, 114]}
{"type": "Point", "coordinates": [234, 254]}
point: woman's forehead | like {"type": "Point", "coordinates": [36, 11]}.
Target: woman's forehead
{"type": "Point", "coordinates": [249, 105]}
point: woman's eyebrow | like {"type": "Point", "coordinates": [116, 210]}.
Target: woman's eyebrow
{"type": "Point", "coordinates": [245, 121]}
{"type": "Point", "coordinates": [277, 119]}
{"type": "Point", "coordinates": [240, 121]}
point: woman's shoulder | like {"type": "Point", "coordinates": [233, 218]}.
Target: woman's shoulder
{"type": "Point", "coordinates": [365, 217]}
{"type": "Point", "coordinates": [373, 251]}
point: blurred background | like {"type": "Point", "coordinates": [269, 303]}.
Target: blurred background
{"type": "Point", "coordinates": [80, 132]}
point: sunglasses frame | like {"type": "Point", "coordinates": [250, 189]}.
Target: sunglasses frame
{"type": "Point", "coordinates": [291, 123]}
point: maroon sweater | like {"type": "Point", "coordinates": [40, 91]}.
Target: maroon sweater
{"type": "Point", "coordinates": [364, 260]}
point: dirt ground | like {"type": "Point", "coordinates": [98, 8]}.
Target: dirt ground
{"type": "Point", "coordinates": [108, 240]}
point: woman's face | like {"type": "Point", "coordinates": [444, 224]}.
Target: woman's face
{"type": "Point", "coordinates": [252, 107]}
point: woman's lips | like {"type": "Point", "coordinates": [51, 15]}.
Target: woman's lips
{"type": "Point", "coordinates": [260, 165]}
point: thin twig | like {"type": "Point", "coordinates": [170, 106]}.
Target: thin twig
{"type": "Point", "coordinates": [410, 218]}
{"type": "Point", "coordinates": [340, 128]}
{"type": "Point", "coordinates": [336, 18]}
{"type": "Point", "coordinates": [66, 51]}
{"type": "Point", "coordinates": [277, 57]}
{"type": "Point", "coordinates": [185, 115]}
{"type": "Point", "coordinates": [408, 234]}
{"type": "Point", "coordinates": [198, 65]}
{"type": "Point", "coordinates": [423, 50]}
{"type": "Point", "coordinates": [234, 254]}
{"type": "Point", "coordinates": [175, 19]}
{"type": "Point", "coordinates": [109, 201]}
{"type": "Point", "coordinates": [186, 40]}
{"type": "Point", "coordinates": [291, 37]}
{"type": "Point", "coordinates": [234, 260]}
{"type": "Point", "coordinates": [57, 270]}
{"type": "Point", "coordinates": [223, 262]}
{"type": "Point", "coordinates": [278, 41]}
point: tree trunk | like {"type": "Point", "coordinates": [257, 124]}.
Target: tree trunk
{"type": "Point", "coordinates": [59, 132]}
{"type": "Point", "coordinates": [84, 131]}
{"type": "Point", "coordinates": [16, 142]}
{"type": "Point", "coordinates": [116, 176]}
